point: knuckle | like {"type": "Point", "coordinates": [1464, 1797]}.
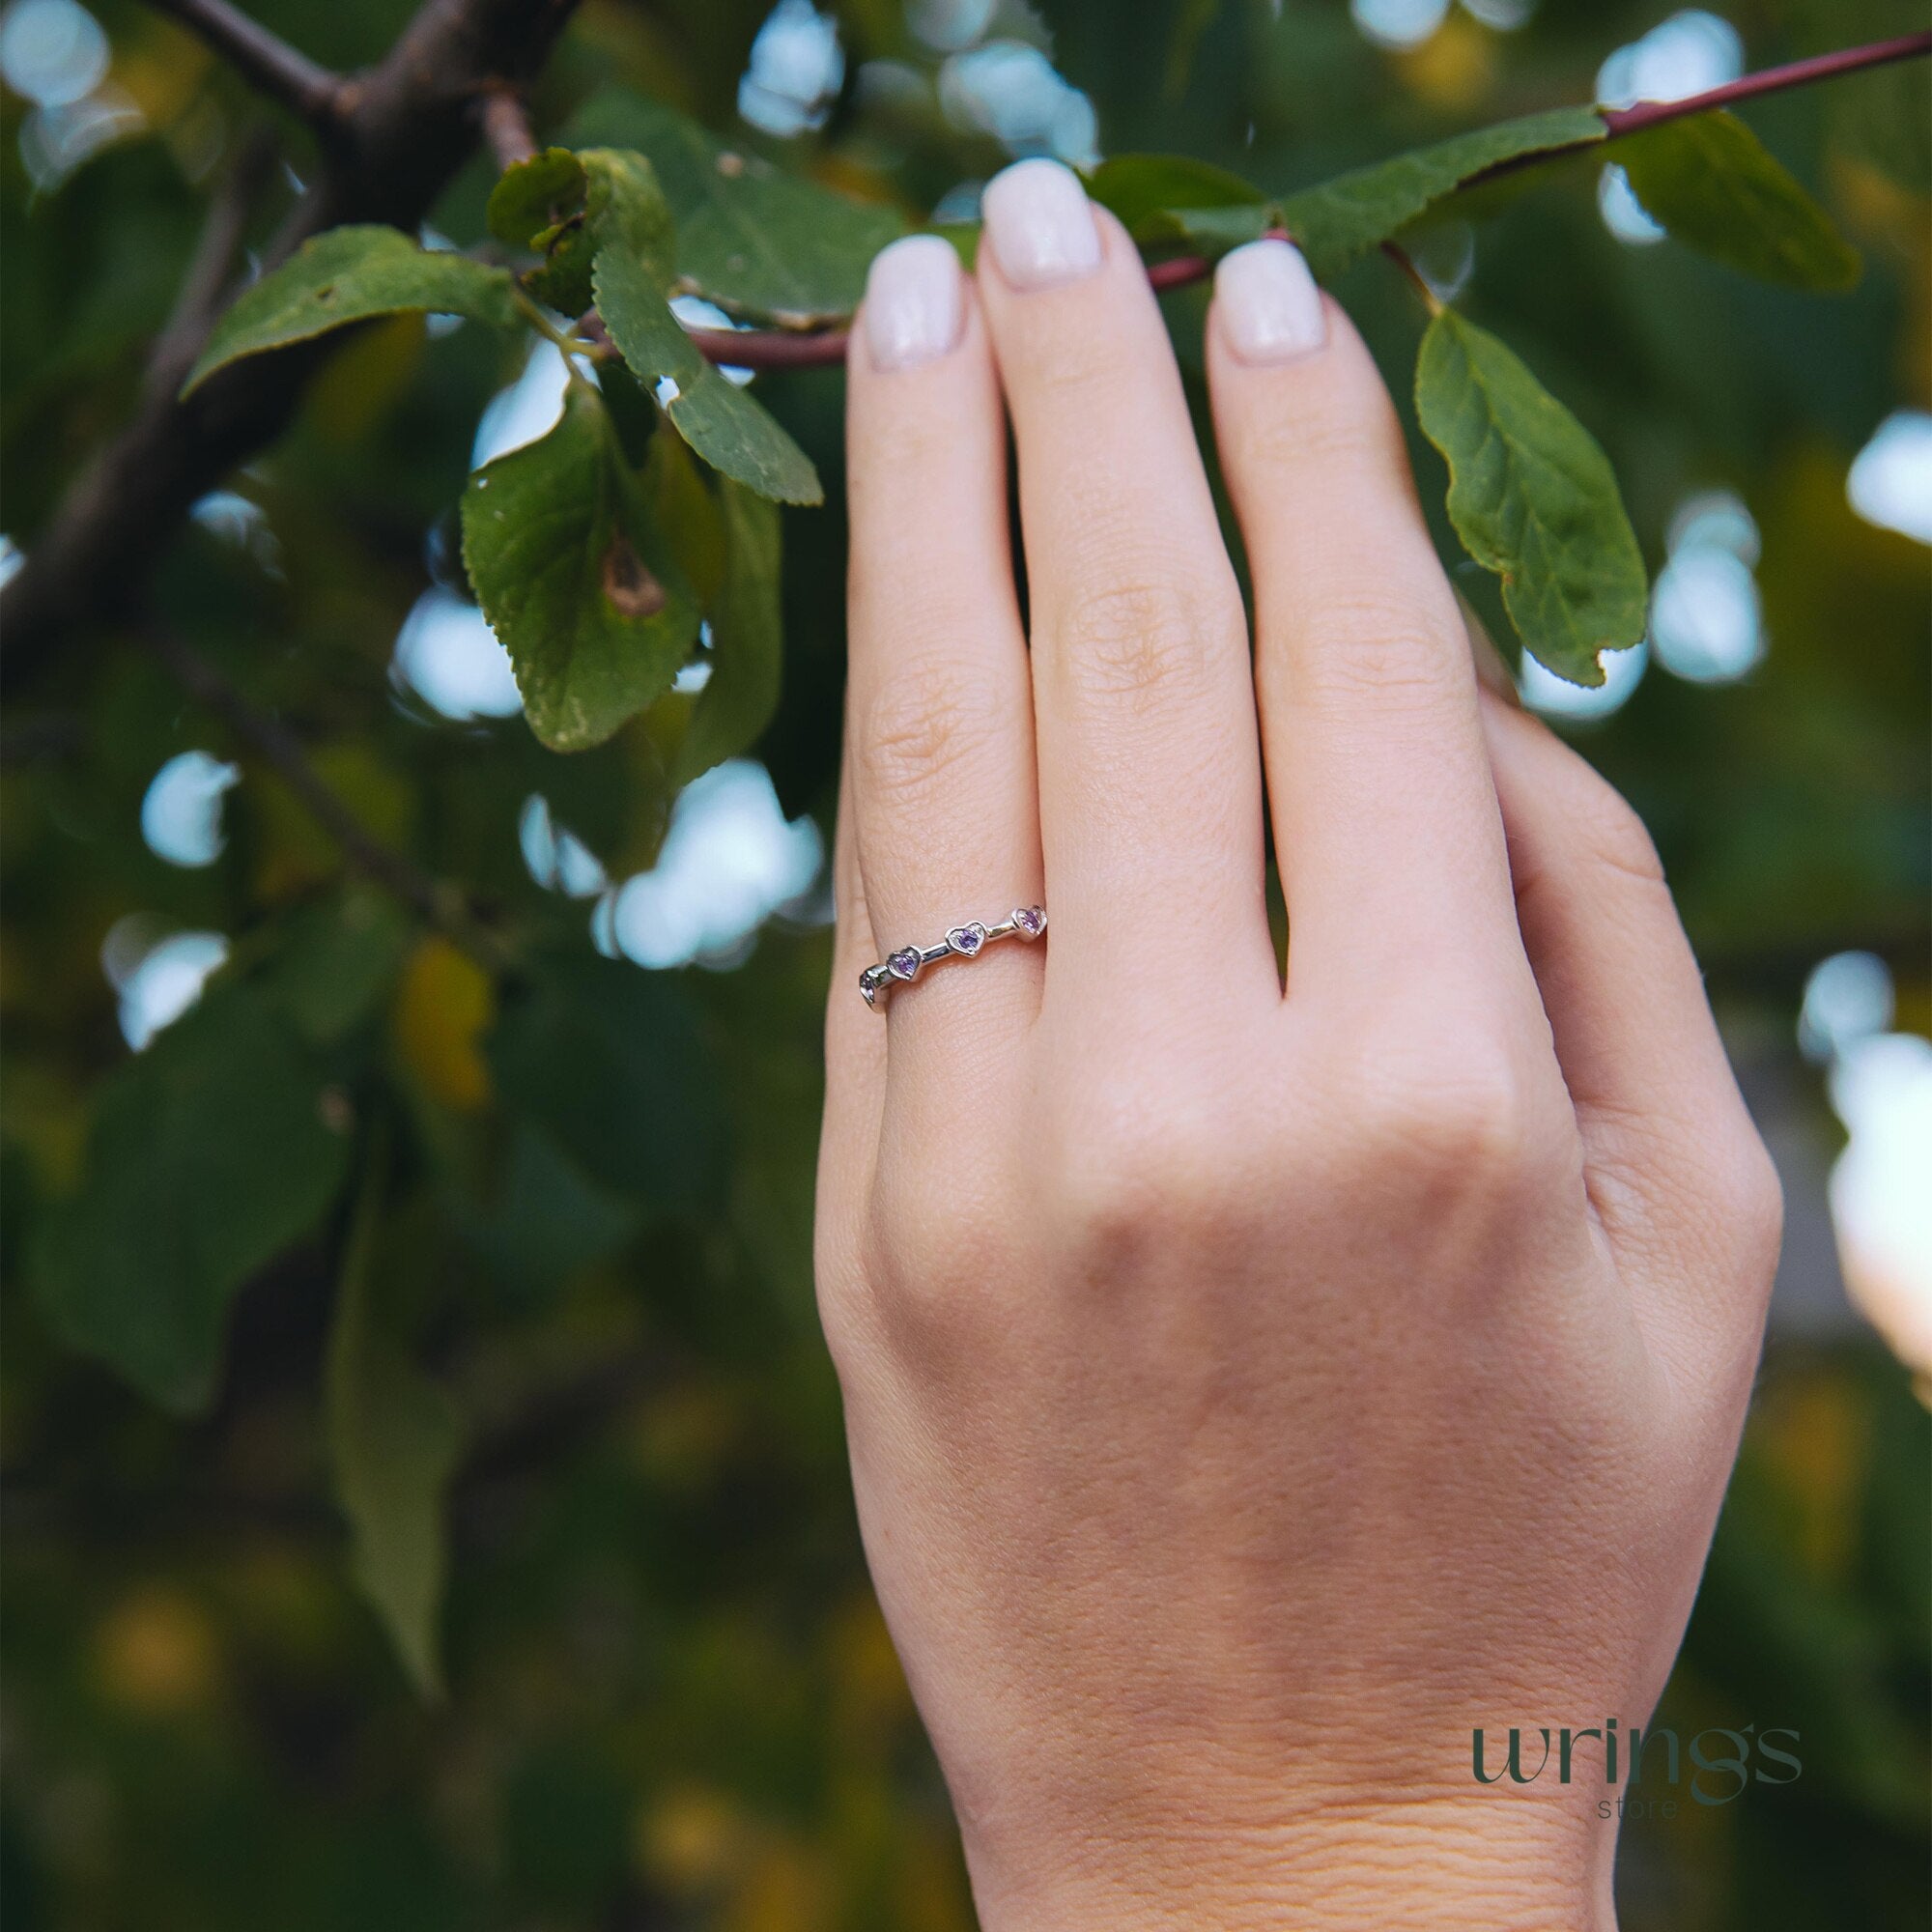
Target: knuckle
{"type": "Point", "coordinates": [1132, 1172]}
{"type": "Point", "coordinates": [1394, 647]}
{"type": "Point", "coordinates": [1751, 1207]}
{"type": "Point", "coordinates": [940, 1254]}
{"type": "Point", "coordinates": [1619, 840]}
{"type": "Point", "coordinates": [1349, 433]}
{"type": "Point", "coordinates": [1453, 1109]}
{"type": "Point", "coordinates": [1143, 640]}
{"type": "Point", "coordinates": [925, 721]}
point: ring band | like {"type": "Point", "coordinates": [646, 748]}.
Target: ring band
{"type": "Point", "coordinates": [961, 942]}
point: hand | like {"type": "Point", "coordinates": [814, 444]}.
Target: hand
{"type": "Point", "coordinates": [1250, 1393]}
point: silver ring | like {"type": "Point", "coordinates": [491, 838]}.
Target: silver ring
{"type": "Point", "coordinates": [961, 942]}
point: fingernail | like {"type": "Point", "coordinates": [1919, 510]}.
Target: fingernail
{"type": "Point", "coordinates": [1270, 307]}
{"type": "Point", "coordinates": [912, 303]}
{"type": "Point", "coordinates": [1040, 224]}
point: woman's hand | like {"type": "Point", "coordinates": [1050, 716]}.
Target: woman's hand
{"type": "Point", "coordinates": [1250, 1393]}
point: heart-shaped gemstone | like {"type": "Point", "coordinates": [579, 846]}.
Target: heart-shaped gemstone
{"type": "Point", "coordinates": [1030, 920]}
{"type": "Point", "coordinates": [967, 940]}
{"type": "Point", "coordinates": [904, 964]}
{"type": "Point", "coordinates": [868, 986]}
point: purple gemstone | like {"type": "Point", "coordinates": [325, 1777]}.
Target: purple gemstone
{"type": "Point", "coordinates": [905, 963]}
{"type": "Point", "coordinates": [1030, 920]}
{"type": "Point", "coordinates": [967, 939]}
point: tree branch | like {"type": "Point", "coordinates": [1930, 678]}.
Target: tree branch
{"type": "Point", "coordinates": [263, 59]}
{"type": "Point", "coordinates": [402, 129]}
{"type": "Point", "coordinates": [506, 126]}
{"type": "Point", "coordinates": [782, 349]}
{"type": "Point", "coordinates": [212, 267]}
{"type": "Point", "coordinates": [438, 904]}
{"type": "Point", "coordinates": [1772, 80]}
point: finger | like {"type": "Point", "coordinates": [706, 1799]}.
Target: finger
{"type": "Point", "coordinates": [1150, 803]}
{"type": "Point", "coordinates": [1387, 828]}
{"type": "Point", "coordinates": [855, 1082]}
{"type": "Point", "coordinates": [941, 730]}
{"type": "Point", "coordinates": [1670, 1152]}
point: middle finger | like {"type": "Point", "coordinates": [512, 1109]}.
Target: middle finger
{"type": "Point", "coordinates": [1149, 766]}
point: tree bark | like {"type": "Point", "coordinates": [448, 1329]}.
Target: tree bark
{"type": "Point", "coordinates": [400, 131]}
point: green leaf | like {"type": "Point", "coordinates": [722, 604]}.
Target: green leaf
{"type": "Point", "coordinates": [631, 230]}
{"type": "Point", "coordinates": [335, 961]}
{"type": "Point", "coordinates": [752, 238]}
{"type": "Point", "coordinates": [1337, 221]}
{"type": "Point", "coordinates": [576, 579]}
{"type": "Point", "coordinates": [607, 1058]}
{"type": "Point", "coordinates": [1155, 195]}
{"type": "Point", "coordinates": [1533, 497]}
{"type": "Point", "coordinates": [538, 203]}
{"type": "Point", "coordinates": [538, 1221]}
{"type": "Point", "coordinates": [210, 1154]}
{"type": "Point", "coordinates": [965, 238]}
{"type": "Point", "coordinates": [395, 1437]}
{"type": "Point", "coordinates": [534, 195]}
{"type": "Point", "coordinates": [1716, 186]}
{"type": "Point", "coordinates": [747, 640]}
{"type": "Point", "coordinates": [350, 275]}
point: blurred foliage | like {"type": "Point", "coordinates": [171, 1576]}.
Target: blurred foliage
{"type": "Point", "coordinates": [451, 1227]}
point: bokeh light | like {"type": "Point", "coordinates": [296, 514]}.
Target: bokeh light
{"type": "Point", "coordinates": [447, 654]}
{"type": "Point", "coordinates": [729, 862]}
{"type": "Point", "coordinates": [1543, 692]}
{"type": "Point", "coordinates": [1504, 15]}
{"type": "Point", "coordinates": [950, 26]}
{"type": "Point", "coordinates": [235, 519]}
{"type": "Point", "coordinates": [528, 408]}
{"type": "Point", "coordinates": [181, 813]}
{"type": "Point", "coordinates": [1706, 617]}
{"type": "Point", "coordinates": [1848, 998]}
{"type": "Point", "coordinates": [1890, 481]}
{"type": "Point", "coordinates": [158, 974]}
{"type": "Point", "coordinates": [1687, 54]}
{"type": "Point", "coordinates": [1881, 1205]}
{"type": "Point", "coordinates": [1012, 92]}
{"type": "Point", "coordinates": [1624, 214]}
{"type": "Point", "coordinates": [796, 69]}
{"type": "Point", "coordinates": [52, 52]}
{"type": "Point", "coordinates": [557, 858]}
{"type": "Point", "coordinates": [1397, 23]}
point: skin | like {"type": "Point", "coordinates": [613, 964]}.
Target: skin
{"type": "Point", "coordinates": [1253, 1390]}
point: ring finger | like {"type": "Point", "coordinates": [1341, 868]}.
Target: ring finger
{"type": "Point", "coordinates": [940, 721]}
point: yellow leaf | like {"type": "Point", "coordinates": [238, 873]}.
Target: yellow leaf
{"type": "Point", "coordinates": [444, 1005]}
{"type": "Point", "coordinates": [155, 1652]}
{"type": "Point", "coordinates": [690, 1841]}
{"type": "Point", "coordinates": [1455, 68]}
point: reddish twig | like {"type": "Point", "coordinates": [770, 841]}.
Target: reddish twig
{"type": "Point", "coordinates": [506, 126]}
{"type": "Point", "coordinates": [263, 59]}
{"type": "Point", "coordinates": [785, 349]}
{"type": "Point", "coordinates": [1772, 80]}
{"type": "Point", "coordinates": [793, 349]}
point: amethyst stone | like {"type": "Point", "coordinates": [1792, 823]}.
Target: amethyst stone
{"type": "Point", "coordinates": [1030, 920]}
{"type": "Point", "coordinates": [905, 963]}
{"type": "Point", "coordinates": [967, 940]}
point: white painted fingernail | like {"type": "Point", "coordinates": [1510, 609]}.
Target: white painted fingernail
{"type": "Point", "coordinates": [1270, 307]}
{"type": "Point", "coordinates": [1040, 224]}
{"type": "Point", "coordinates": [912, 303]}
